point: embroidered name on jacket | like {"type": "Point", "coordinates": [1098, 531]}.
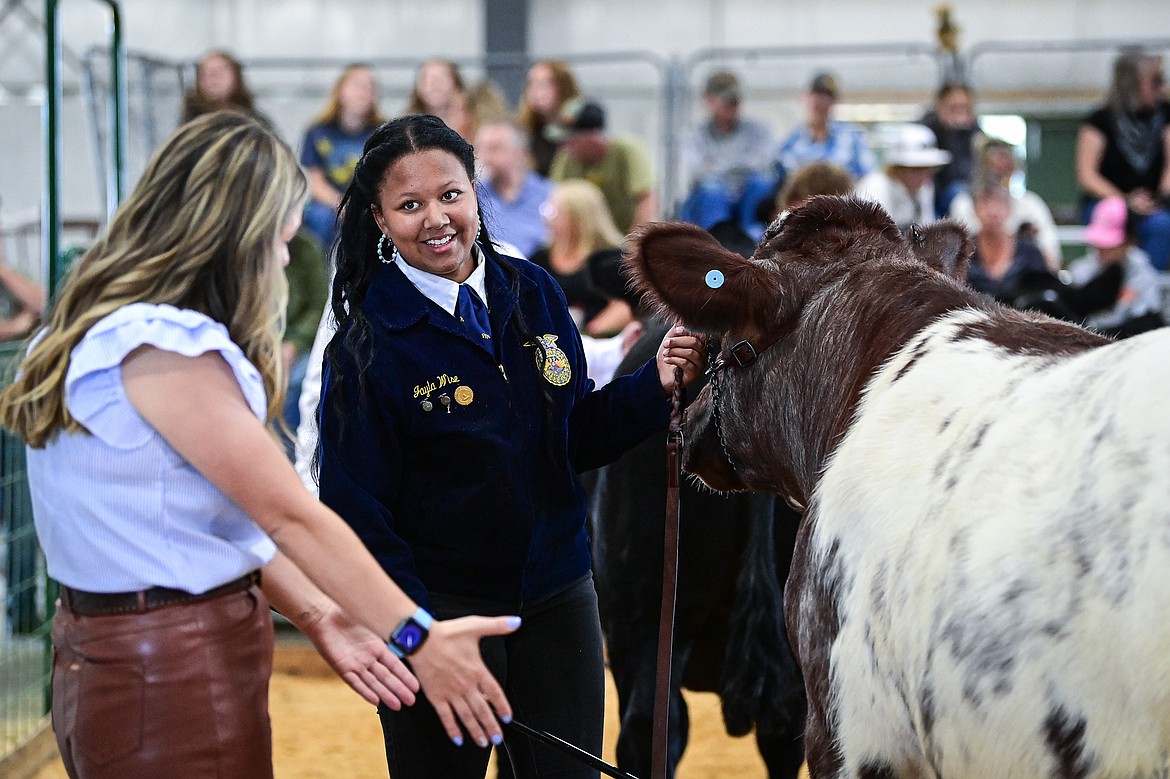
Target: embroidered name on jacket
{"type": "Point", "coordinates": [425, 389]}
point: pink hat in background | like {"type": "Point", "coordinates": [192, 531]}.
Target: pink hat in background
{"type": "Point", "coordinates": [1107, 224]}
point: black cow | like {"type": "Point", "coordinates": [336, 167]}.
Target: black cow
{"type": "Point", "coordinates": [730, 638]}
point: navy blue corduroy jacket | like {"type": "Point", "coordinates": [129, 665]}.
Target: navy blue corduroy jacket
{"type": "Point", "coordinates": [475, 497]}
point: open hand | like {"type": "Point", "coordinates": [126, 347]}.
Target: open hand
{"type": "Point", "coordinates": [456, 681]}
{"type": "Point", "coordinates": [362, 659]}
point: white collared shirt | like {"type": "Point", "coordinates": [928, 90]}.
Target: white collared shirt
{"type": "Point", "coordinates": [444, 292]}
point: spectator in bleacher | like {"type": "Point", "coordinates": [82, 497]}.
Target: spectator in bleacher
{"type": "Point", "coordinates": [549, 86]}
{"type": "Point", "coordinates": [582, 234]}
{"type": "Point", "coordinates": [22, 307]}
{"type": "Point", "coordinates": [1122, 150]}
{"type": "Point", "coordinates": [1003, 257]}
{"type": "Point", "coordinates": [485, 104]}
{"type": "Point", "coordinates": [1139, 305]}
{"type": "Point", "coordinates": [219, 85]}
{"type": "Point", "coordinates": [619, 166]}
{"type": "Point", "coordinates": [333, 145]}
{"type": "Point", "coordinates": [998, 162]}
{"type": "Point", "coordinates": [22, 302]}
{"type": "Point", "coordinates": [824, 138]}
{"type": "Point", "coordinates": [439, 90]}
{"type": "Point", "coordinates": [905, 186]}
{"type": "Point", "coordinates": [725, 160]}
{"type": "Point", "coordinates": [308, 290]}
{"type": "Point", "coordinates": [956, 130]}
{"type": "Point", "coordinates": [510, 193]}
{"type": "Point", "coordinates": [816, 178]}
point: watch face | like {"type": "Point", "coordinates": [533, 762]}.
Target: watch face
{"type": "Point", "coordinates": [409, 636]}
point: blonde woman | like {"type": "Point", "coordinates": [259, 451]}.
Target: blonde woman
{"type": "Point", "coordinates": [582, 233]}
{"type": "Point", "coordinates": [333, 145]}
{"type": "Point", "coordinates": [159, 494]}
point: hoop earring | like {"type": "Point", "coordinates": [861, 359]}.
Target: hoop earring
{"type": "Point", "coordinates": [382, 240]}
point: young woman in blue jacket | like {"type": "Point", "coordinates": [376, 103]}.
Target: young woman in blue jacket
{"type": "Point", "coordinates": [455, 416]}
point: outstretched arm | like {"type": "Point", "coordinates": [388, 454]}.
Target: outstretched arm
{"type": "Point", "coordinates": [356, 653]}
{"type": "Point", "coordinates": [197, 406]}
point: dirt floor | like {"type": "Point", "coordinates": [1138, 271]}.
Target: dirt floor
{"type": "Point", "coordinates": [322, 730]}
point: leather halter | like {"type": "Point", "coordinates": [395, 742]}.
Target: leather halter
{"type": "Point", "coordinates": [743, 353]}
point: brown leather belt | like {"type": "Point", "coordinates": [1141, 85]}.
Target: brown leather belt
{"type": "Point", "coordinates": [97, 604]}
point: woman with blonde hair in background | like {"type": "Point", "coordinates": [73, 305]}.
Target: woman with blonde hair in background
{"type": "Point", "coordinates": [159, 488]}
{"type": "Point", "coordinates": [333, 144]}
{"type": "Point", "coordinates": [549, 86]}
{"type": "Point", "coordinates": [581, 234]}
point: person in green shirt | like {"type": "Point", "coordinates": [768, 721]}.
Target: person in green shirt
{"type": "Point", "coordinates": [618, 166]}
{"type": "Point", "coordinates": [308, 289]}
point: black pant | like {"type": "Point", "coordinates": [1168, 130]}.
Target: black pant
{"type": "Point", "coordinates": [553, 674]}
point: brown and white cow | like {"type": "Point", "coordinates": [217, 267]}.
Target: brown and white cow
{"type": "Point", "coordinates": [981, 585]}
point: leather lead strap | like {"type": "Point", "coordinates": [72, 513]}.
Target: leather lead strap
{"type": "Point", "coordinates": [659, 764]}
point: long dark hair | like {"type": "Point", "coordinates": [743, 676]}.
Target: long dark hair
{"type": "Point", "coordinates": [357, 258]}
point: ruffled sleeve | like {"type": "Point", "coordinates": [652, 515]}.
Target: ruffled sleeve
{"type": "Point", "coordinates": [94, 393]}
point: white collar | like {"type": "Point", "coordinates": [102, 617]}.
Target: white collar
{"type": "Point", "coordinates": [444, 292]}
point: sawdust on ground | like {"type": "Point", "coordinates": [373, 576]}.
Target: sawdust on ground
{"type": "Point", "coordinates": [322, 730]}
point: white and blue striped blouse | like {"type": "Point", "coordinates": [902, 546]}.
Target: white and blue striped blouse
{"type": "Point", "coordinates": [118, 509]}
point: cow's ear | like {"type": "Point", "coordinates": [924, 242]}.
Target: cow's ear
{"type": "Point", "coordinates": [688, 275]}
{"type": "Point", "coordinates": [944, 246]}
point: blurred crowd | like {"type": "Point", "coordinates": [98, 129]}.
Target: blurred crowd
{"type": "Point", "coordinates": [561, 189]}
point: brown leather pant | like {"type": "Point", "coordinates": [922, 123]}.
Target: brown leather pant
{"type": "Point", "coordinates": [180, 691]}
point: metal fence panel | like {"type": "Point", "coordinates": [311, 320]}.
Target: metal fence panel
{"type": "Point", "coordinates": [25, 653]}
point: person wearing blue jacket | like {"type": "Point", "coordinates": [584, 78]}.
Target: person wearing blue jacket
{"type": "Point", "coordinates": [455, 416]}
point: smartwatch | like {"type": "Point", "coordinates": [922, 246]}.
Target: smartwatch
{"type": "Point", "coordinates": [410, 633]}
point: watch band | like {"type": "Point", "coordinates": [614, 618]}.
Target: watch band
{"type": "Point", "coordinates": [423, 617]}
{"type": "Point", "coordinates": [420, 619]}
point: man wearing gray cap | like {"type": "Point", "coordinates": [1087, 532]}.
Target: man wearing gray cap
{"type": "Point", "coordinates": [726, 161]}
{"type": "Point", "coordinates": [823, 138]}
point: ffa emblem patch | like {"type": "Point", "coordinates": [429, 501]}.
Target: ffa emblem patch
{"type": "Point", "coordinates": [556, 368]}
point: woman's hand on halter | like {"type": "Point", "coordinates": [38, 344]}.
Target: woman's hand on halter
{"type": "Point", "coordinates": [681, 349]}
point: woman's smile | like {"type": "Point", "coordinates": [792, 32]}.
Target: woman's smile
{"type": "Point", "coordinates": [427, 207]}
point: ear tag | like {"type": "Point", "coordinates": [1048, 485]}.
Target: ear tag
{"type": "Point", "coordinates": [714, 279]}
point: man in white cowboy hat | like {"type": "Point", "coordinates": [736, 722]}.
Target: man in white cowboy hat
{"type": "Point", "coordinates": [905, 187]}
